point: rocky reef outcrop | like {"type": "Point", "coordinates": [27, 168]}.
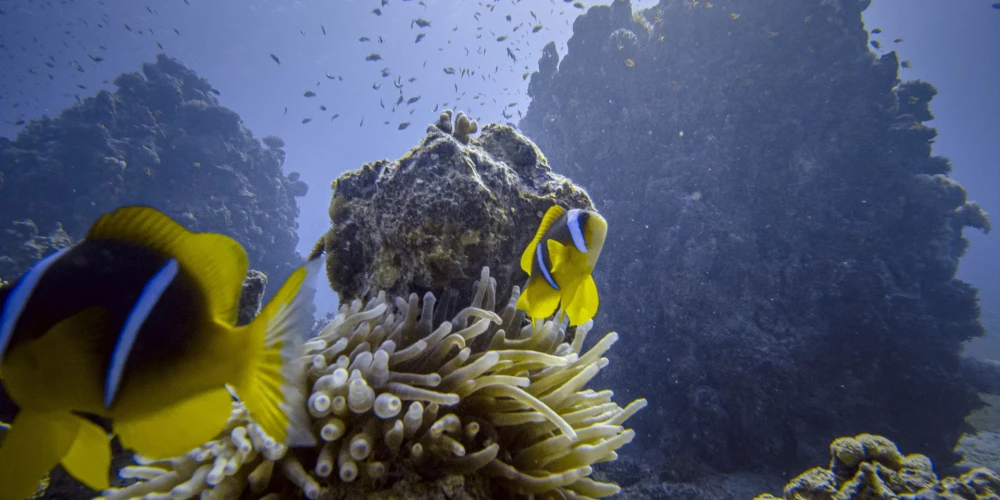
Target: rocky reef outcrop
{"type": "Point", "coordinates": [160, 139]}
{"type": "Point", "coordinates": [781, 238]}
{"type": "Point", "coordinates": [431, 220]}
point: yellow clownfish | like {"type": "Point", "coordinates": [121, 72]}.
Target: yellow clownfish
{"type": "Point", "coordinates": [559, 262]}
{"type": "Point", "coordinates": [137, 324]}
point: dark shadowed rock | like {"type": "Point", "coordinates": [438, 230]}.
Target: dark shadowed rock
{"type": "Point", "coordinates": [782, 244]}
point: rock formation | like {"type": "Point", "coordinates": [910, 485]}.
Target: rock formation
{"type": "Point", "coordinates": [781, 238]}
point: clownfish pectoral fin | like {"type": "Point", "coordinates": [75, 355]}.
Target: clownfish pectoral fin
{"type": "Point", "coordinates": [580, 301]}
{"type": "Point", "coordinates": [176, 429]}
{"type": "Point", "coordinates": [553, 213]}
{"type": "Point", "coordinates": [558, 256]}
{"type": "Point", "coordinates": [40, 440]}
{"type": "Point", "coordinates": [274, 389]}
{"type": "Point", "coordinates": [538, 300]}
{"type": "Point", "coordinates": [89, 459]}
{"type": "Point", "coordinates": [217, 262]}
{"type": "Point", "coordinates": [62, 368]}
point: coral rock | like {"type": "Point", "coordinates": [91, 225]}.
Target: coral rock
{"type": "Point", "coordinates": [432, 219]}
{"type": "Point", "coordinates": [882, 472]}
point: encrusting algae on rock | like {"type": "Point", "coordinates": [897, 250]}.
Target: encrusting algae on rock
{"type": "Point", "coordinates": [869, 466]}
{"type": "Point", "coordinates": [394, 396]}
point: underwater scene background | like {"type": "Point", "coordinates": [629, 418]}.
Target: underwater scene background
{"type": "Point", "coordinates": [797, 263]}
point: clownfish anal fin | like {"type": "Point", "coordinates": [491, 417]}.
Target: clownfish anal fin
{"type": "Point", "coordinates": [176, 429]}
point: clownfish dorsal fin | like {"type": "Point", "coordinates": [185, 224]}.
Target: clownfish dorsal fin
{"type": "Point", "coordinates": [553, 213]}
{"type": "Point", "coordinates": [215, 261]}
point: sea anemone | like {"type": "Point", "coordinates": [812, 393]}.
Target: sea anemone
{"type": "Point", "coordinates": [393, 394]}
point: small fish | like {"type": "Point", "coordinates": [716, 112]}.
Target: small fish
{"type": "Point", "coordinates": [373, 57]}
{"type": "Point", "coordinates": [508, 18]}
{"type": "Point", "coordinates": [510, 53]}
{"type": "Point", "coordinates": [286, 110]}
{"type": "Point", "coordinates": [215, 91]}
{"type": "Point", "coordinates": [412, 100]}
{"type": "Point", "coordinates": [898, 40]}
{"type": "Point", "coordinates": [559, 261]}
{"type": "Point", "coordinates": [734, 16]}
{"type": "Point", "coordinates": [96, 59]}
{"type": "Point", "coordinates": [996, 5]}
{"type": "Point", "coordinates": [127, 27]}
{"type": "Point", "coordinates": [275, 58]}
{"type": "Point", "coordinates": [175, 31]}
{"type": "Point", "coordinates": [322, 107]}
{"type": "Point", "coordinates": [420, 22]}
{"type": "Point", "coordinates": [876, 31]}
{"type": "Point", "coordinates": [335, 116]}
{"type": "Point", "coordinates": [449, 70]}
{"type": "Point", "coordinates": [536, 28]}
{"type": "Point", "coordinates": [402, 126]}
{"type": "Point", "coordinates": [322, 28]}
{"type": "Point", "coordinates": [412, 79]}
{"type": "Point", "coordinates": [905, 64]}
{"type": "Point", "coordinates": [501, 38]}
{"type": "Point", "coordinates": [151, 300]}
{"type": "Point", "coordinates": [377, 11]}
{"type": "Point", "coordinates": [306, 120]}
{"type": "Point", "coordinates": [578, 5]}
{"type": "Point", "coordinates": [328, 75]}
{"type": "Point", "coordinates": [309, 93]}
{"type": "Point", "coordinates": [399, 101]}
{"type": "Point", "coordinates": [420, 36]}
{"type": "Point", "coordinates": [197, 164]}
{"type": "Point", "coordinates": [876, 44]}
{"type": "Point", "coordinates": [364, 39]}
{"type": "Point", "coordinates": [362, 122]}
{"type": "Point", "coordinates": [376, 86]}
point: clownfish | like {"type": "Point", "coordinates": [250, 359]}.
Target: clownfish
{"type": "Point", "coordinates": [137, 324]}
{"type": "Point", "coordinates": [559, 262]}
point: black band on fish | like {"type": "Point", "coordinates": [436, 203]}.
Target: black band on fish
{"type": "Point", "coordinates": [575, 226]}
{"type": "Point", "coordinates": [545, 269]}
{"type": "Point", "coordinates": [18, 298]}
{"type": "Point", "coordinates": [126, 339]}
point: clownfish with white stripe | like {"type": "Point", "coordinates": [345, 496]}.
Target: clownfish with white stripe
{"type": "Point", "coordinates": [137, 324]}
{"type": "Point", "coordinates": [559, 262]}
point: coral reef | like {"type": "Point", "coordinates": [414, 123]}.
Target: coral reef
{"type": "Point", "coordinates": [785, 242]}
{"type": "Point", "coordinates": [24, 246]}
{"type": "Point", "coordinates": [432, 219]}
{"type": "Point", "coordinates": [868, 466]}
{"type": "Point", "coordinates": [441, 407]}
{"type": "Point", "coordinates": [160, 139]}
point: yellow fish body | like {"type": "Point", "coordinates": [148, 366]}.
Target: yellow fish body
{"type": "Point", "coordinates": [559, 262]}
{"type": "Point", "coordinates": [137, 324]}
